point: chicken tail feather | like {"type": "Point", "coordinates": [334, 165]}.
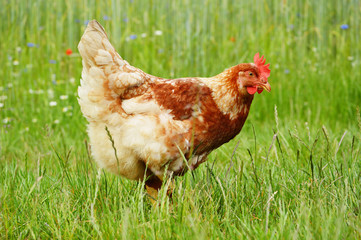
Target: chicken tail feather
{"type": "Point", "coordinates": [105, 76]}
{"type": "Point", "coordinates": [95, 48]}
{"type": "Point", "coordinates": [100, 63]}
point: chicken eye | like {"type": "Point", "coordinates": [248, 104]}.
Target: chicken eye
{"type": "Point", "coordinates": [251, 73]}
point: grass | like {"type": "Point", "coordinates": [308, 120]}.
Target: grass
{"type": "Point", "coordinates": [295, 173]}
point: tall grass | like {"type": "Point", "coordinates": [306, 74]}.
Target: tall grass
{"type": "Point", "coordinates": [296, 170]}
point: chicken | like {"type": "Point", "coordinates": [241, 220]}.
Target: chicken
{"type": "Point", "coordinates": [144, 127]}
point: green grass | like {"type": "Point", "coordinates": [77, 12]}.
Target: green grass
{"type": "Point", "coordinates": [295, 174]}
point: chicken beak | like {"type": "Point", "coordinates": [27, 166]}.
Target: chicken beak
{"type": "Point", "coordinates": [266, 86]}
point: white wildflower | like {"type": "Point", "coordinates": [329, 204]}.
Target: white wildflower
{"type": "Point", "coordinates": [56, 121]}
{"type": "Point", "coordinates": [72, 80]}
{"type": "Point", "coordinates": [10, 85]}
{"type": "Point", "coordinates": [143, 35]}
{"type": "Point", "coordinates": [63, 97]}
{"type": "Point", "coordinates": [18, 49]}
{"type": "Point", "coordinates": [350, 58]}
{"type": "Point", "coordinates": [52, 103]}
{"type": "Point", "coordinates": [6, 120]}
{"type": "Point", "coordinates": [3, 97]}
{"type": "Point", "coordinates": [67, 108]}
{"type": "Point", "coordinates": [34, 120]}
{"type": "Point", "coordinates": [31, 91]}
{"type": "Point", "coordinates": [1, 105]}
{"type": "Point", "coordinates": [158, 33]}
{"type": "Point", "coordinates": [26, 129]}
{"type": "Point", "coordinates": [15, 62]}
{"type": "Point", "coordinates": [50, 93]}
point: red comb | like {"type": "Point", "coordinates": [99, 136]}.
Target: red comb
{"type": "Point", "coordinates": [263, 69]}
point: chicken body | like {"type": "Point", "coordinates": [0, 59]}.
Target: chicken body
{"type": "Point", "coordinates": [157, 123]}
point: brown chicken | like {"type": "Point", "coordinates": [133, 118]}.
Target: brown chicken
{"type": "Point", "coordinates": [147, 127]}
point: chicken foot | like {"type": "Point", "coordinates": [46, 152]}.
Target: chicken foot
{"type": "Point", "coordinates": [153, 185]}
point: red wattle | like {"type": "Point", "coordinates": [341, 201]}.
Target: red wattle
{"type": "Point", "coordinates": [260, 90]}
{"type": "Point", "coordinates": [251, 90]}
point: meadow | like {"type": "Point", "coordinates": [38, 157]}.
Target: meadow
{"type": "Point", "coordinates": [293, 172]}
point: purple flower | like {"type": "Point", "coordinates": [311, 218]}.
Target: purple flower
{"type": "Point", "coordinates": [287, 71]}
{"type": "Point", "coordinates": [132, 37]}
{"type": "Point", "coordinates": [125, 20]}
{"type": "Point", "coordinates": [86, 22]}
{"type": "Point", "coordinates": [77, 20]}
{"type": "Point", "coordinates": [344, 26]}
{"type": "Point", "coordinates": [52, 61]}
{"type": "Point", "coordinates": [30, 44]}
{"type": "Point", "coordinates": [106, 18]}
